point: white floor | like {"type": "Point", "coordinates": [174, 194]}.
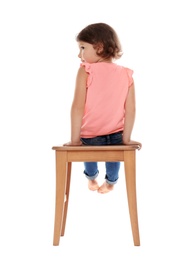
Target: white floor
{"type": "Point", "coordinates": [97, 225]}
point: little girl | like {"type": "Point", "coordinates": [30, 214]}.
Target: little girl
{"type": "Point", "coordinates": [103, 108]}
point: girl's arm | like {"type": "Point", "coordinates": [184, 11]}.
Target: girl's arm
{"type": "Point", "coordinates": [78, 105]}
{"type": "Point", "coordinates": [130, 109]}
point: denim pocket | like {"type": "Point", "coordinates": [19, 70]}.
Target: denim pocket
{"type": "Point", "coordinates": [116, 138]}
{"type": "Point", "coordinates": [98, 140]}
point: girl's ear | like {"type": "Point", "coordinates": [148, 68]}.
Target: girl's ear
{"type": "Point", "coordinates": [99, 48]}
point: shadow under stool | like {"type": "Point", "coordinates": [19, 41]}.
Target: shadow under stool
{"type": "Point", "coordinates": [65, 155]}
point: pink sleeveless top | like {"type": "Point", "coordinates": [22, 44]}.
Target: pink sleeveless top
{"type": "Point", "coordinates": [107, 89]}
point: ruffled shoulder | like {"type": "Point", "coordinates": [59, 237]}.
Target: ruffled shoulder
{"type": "Point", "coordinates": [130, 76]}
{"type": "Point", "coordinates": [88, 69]}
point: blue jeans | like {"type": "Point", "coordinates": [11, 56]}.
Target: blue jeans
{"type": "Point", "coordinates": [112, 168]}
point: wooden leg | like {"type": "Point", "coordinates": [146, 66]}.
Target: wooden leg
{"type": "Point", "coordinates": [66, 198]}
{"type": "Point", "coordinates": [130, 175]}
{"type": "Point", "coordinates": [61, 173]}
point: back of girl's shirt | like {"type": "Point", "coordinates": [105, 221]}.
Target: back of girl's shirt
{"type": "Point", "coordinates": [107, 89]}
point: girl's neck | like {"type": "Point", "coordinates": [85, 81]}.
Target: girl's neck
{"type": "Point", "coordinates": [104, 60]}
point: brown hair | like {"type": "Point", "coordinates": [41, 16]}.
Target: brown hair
{"type": "Point", "coordinates": [101, 34]}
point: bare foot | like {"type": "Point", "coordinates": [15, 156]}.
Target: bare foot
{"type": "Point", "coordinates": [93, 185]}
{"type": "Point", "coordinates": [106, 187]}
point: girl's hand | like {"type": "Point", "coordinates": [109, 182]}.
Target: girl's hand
{"type": "Point", "coordinates": [131, 142]}
{"type": "Point", "coordinates": [73, 144]}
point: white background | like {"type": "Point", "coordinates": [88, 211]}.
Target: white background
{"type": "Point", "coordinates": [38, 65]}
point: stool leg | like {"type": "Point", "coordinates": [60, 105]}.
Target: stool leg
{"type": "Point", "coordinates": [130, 175]}
{"type": "Point", "coordinates": [66, 198]}
{"type": "Point", "coordinates": [61, 173]}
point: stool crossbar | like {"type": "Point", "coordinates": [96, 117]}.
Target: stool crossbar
{"type": "Point", "coordinates": [65, 155]}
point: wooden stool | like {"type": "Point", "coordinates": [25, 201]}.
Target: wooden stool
{"type": "Point", "coordinates": [65, 155]}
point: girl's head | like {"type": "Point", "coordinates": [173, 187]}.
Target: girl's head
{"type": "Point", "coordinates": [103, 40]}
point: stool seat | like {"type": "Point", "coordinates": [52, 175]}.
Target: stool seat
{"type": "Point", "coordinates": [65, 155]}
